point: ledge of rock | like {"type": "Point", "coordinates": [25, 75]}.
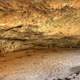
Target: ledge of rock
{"type": "Point", "coordinates": [26, 24]}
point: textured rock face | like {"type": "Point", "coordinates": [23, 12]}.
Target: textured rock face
{"type": "Point", "coordinates": [28, 24]}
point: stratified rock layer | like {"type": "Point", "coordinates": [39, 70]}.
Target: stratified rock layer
{"type": "Point", "coordinates": [26, 24]}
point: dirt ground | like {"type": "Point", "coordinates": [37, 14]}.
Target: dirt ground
{"type": "Point", "coordinates": [40, 65]}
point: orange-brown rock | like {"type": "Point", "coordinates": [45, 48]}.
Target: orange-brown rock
{"type": "Point", "coordinates": [39, 24]}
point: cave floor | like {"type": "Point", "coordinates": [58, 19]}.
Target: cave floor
{"type": "Point", "coordinates": [51, 64]}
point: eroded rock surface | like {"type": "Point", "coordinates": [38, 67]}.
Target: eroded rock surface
{"type": "Point", "coordinates": [39, 24]}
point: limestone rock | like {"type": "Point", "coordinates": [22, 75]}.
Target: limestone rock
{"type": "Point", "coordinates": [26, 24]}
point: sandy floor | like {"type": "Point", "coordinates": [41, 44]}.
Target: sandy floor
{"type": "Point", "coordinates": [39, 65]}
